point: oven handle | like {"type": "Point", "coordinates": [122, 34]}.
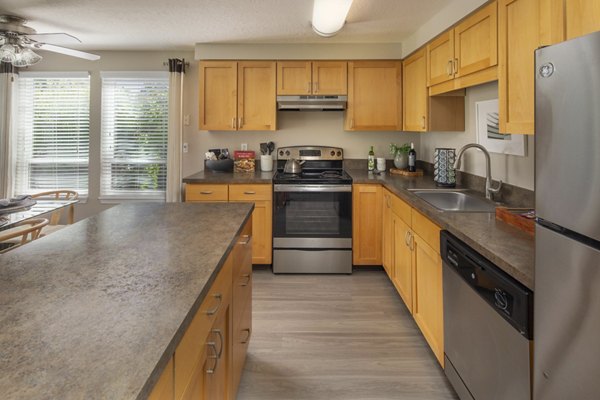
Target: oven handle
{"type": "Point", "coordinates": [312, 188]}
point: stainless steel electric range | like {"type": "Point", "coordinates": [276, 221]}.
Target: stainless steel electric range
{"type": "Point", "coordinates": [312, 212]}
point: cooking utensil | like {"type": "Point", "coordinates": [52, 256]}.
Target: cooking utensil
{"type": "Point", "coordinates": [263, 148]}
{"type": "Point", "coordinates": [270, 147]}
{"type": "Point", "coordinates": [293, 166]}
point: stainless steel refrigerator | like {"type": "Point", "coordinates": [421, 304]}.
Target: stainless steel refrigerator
{"type": "Point", "coordinates": [567, 241]}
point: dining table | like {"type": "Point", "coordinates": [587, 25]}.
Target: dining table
{"type": "Point", "coordinates": [10, 218]}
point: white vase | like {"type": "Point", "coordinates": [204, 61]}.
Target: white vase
{"type": "Point", "coordinates": [401, 160]}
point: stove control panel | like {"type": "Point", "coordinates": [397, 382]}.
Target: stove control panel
{"type": "Point", "coordinates": [310, 153]}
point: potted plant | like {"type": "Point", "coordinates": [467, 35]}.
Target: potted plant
{"type": "Point", "coordinates": [400, 154]}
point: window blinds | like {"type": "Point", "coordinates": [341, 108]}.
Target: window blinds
{"type": "Point", "coordinates": [135, 114]}
{"type": "Point", "coordinates": [52, 129]}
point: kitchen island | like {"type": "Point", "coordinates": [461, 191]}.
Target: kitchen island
{"type": "Point", "coordinates": [96, 310]}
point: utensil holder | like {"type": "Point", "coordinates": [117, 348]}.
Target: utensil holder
{"type": "Point", "coordinates": [266, 162]}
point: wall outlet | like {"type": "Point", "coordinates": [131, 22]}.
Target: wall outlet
{"type": "Point", "coordinates": [186, 120]}
{"type": "Point", "coordinates": [244, 146]}
{"type": "Point", "coordinates": [185, 148]}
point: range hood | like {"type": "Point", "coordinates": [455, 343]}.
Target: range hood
{"type": "Point", "coordinates": [312, 103]}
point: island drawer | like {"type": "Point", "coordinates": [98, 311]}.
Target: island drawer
{"type": "Point", "coordinates": [204, 192]}
{"type": "Point", "coordinates": [191, 347]}
{"type": "Point", "coordinates": [250, 192]}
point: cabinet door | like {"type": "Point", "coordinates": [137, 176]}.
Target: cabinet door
{"type": "Point", "coordinates": [428, 300]}
{"type": "Point", "coordinates": [217, 370]}
{"type": "Point", "coordinates": [476, 41]}
{"type": "Point", "coordinates": [519, 36]}
{"type": "Point", "coordinates": [366, 224]}
{"type": "Point", "coordinates": [256, 96]}
{"type": "Point", "coordinates": [294, 77]}
{"type": "Point", "coordinates": [374, 96]}
{"type": "Point", "coordinates": [440, 56]}
{"type": "Point", "coordinates": [403, 264]}
{"type": "Point", "coordinates": [218, 95]}
{"type": "Point", "coordinates": [387, 237]}
{"type": "Point", "coordinates": [582, 17]}
{"type": "Point", "coordinates": [415, 96]}
{"type": "Point", "coordinates": [330, 77]}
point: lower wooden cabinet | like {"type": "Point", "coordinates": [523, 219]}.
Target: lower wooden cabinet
{"type": "Point", "coordinates": [208, 361]}
{"type": "Point", "coordinates": [411, 258]}
{"type": "Point", "coordinates": [262, 197]}
{"type": "Point", "coordinates": [366, 224]}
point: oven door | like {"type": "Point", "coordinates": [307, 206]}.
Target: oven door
{"type": "Point", "coordinates": [312, 216]}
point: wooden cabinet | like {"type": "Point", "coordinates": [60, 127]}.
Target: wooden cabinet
{"type": "Point", "coordinates": [312, 77]}
{"type": "Point", "coordinates": [237, 95]}
{"type": "Point", "coordinates": [581, 17]}
{"type": "Point", "coordinates": [422, 113]}
{"type": "Point", "coordinates": [208, 361]}
{"type": "Point", "coordinates": [366, 224]}
{"type": "Point", "coordinates": [519, 35]}
{"type": "Point", "coordinates": [411, 251]}
{"type": "Point", "coordinates": [465, 55]}
{"type": "Point", "coordinates": [374, 96]}
{"type": "Point", "coordinates": [262, 217]}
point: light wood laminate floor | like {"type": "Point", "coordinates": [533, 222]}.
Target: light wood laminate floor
{"type": "Point", "coordinates": [336, 337]}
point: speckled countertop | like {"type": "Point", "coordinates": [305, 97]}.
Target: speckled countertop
{"type": "Point", "coordinates": [95, 310]}
{"type": "Point", "coordinates": [208, 176]}
{"type": "Point", "coordinates": [508, 247]}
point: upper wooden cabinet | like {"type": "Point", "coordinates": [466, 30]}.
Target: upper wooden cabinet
{"type": "Point", "coordinates": [237, 95]}
{"type": "Point", "coordinates": [519, 35]}
{"type": "Point", "coordinates": [312, 77]}
{"type": "Point", "coordinates": [582, 17]}
{"type": "Point", "coordinates": [374, 96]}
{"type": "Point", "coordinates": [422, 113]}
{"type": "Point", "coordinates": [465, 55]}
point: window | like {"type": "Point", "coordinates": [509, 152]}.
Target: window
{"type": "Point", "coordinates": [52, 128]}
{"type": "Point", "coordinates": [135, 114]}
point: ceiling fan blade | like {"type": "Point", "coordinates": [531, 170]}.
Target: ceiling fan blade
{"type": "Point", "coordinates": [59, 38]}
{"type": "Point", "coordinates": [66, 51]}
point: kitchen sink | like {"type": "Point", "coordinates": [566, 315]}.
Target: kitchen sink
{"type": "Point", "coordinates": [455, 200]}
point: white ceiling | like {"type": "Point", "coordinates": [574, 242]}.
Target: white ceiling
{"type": "Point", "coordinates": [179, 24]}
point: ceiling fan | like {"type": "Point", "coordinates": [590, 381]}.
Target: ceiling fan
{"type": "Point", "coordinates": [17, 42]}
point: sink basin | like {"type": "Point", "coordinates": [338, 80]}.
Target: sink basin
{"type": "Point", "coordinates": [456, 200]}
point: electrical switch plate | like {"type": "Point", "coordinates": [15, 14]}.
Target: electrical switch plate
{"type": "Point", "coordinates": [186, 120]}
{"type": "Point", "coordinates": [244, 146]}
{"type": "Point", "coordinates": [185, 148]}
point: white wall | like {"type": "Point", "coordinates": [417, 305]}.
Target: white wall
{"type": "Point", "coordinates": [515, 170]}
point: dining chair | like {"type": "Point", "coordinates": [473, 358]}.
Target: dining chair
{"type": "Point", "coordinates": [24, 232]}
{"type": "Point", "coordinates": [61, 194]}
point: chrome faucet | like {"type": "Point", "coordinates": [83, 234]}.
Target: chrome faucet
{"type": "Point", "coordinates": [488, 169]}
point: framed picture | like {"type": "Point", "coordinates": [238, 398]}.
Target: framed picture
{"type": "Point", "coordinates": [488, 134]}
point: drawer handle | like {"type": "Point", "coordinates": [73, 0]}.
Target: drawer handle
{"type": "Point", "coordinates": [249, 192]}
{"type": "Point", "coordinates": [247, 276]}
{"type": "Point", "coordinates": [218, 332]}
{"type": "Point", "coordinates": [456, 66]}
{"type": "Point", "coordinates": [244, 242]}
{"type": "Point", "coordinates": [213, 356]}
{"type": "Point", "coordinates": [449, 68]}
{"type": "Point", "coordinates": [247, 337]}
{"type": "Point", "coordinates": [219, 297]}
{"type": "Point", "coordinates": [206, 192]}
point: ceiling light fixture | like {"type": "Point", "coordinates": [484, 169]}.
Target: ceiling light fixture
{"type": "Point", "coordinates": [16, 51]}
{"type": "Point", "coordinates": [329, 16]}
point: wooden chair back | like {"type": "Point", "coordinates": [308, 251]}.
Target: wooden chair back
{"type": "Point", "coordinates": [28, 230]}
{"type": "Point", "coordinates": [62, 194]}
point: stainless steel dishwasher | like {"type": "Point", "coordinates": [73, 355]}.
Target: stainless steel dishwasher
{"type": "Point", "coordinates": [488, 326]}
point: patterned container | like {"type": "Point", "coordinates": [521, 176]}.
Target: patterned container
{"type": "Point", "coordinates": [443, 167]}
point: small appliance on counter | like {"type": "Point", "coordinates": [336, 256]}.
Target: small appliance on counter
{"type": "Point", "coordinates": [443, 167]}
{"type": "Point", "coordinates": [312, 211]}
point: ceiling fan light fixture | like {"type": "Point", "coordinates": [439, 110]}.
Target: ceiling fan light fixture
{"type": "Point", "coordinates": [329, 16]}
{"type": "Point", "coordinates": [7, 53]}
{"type": "Point", "coordinates": [30, 57]}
